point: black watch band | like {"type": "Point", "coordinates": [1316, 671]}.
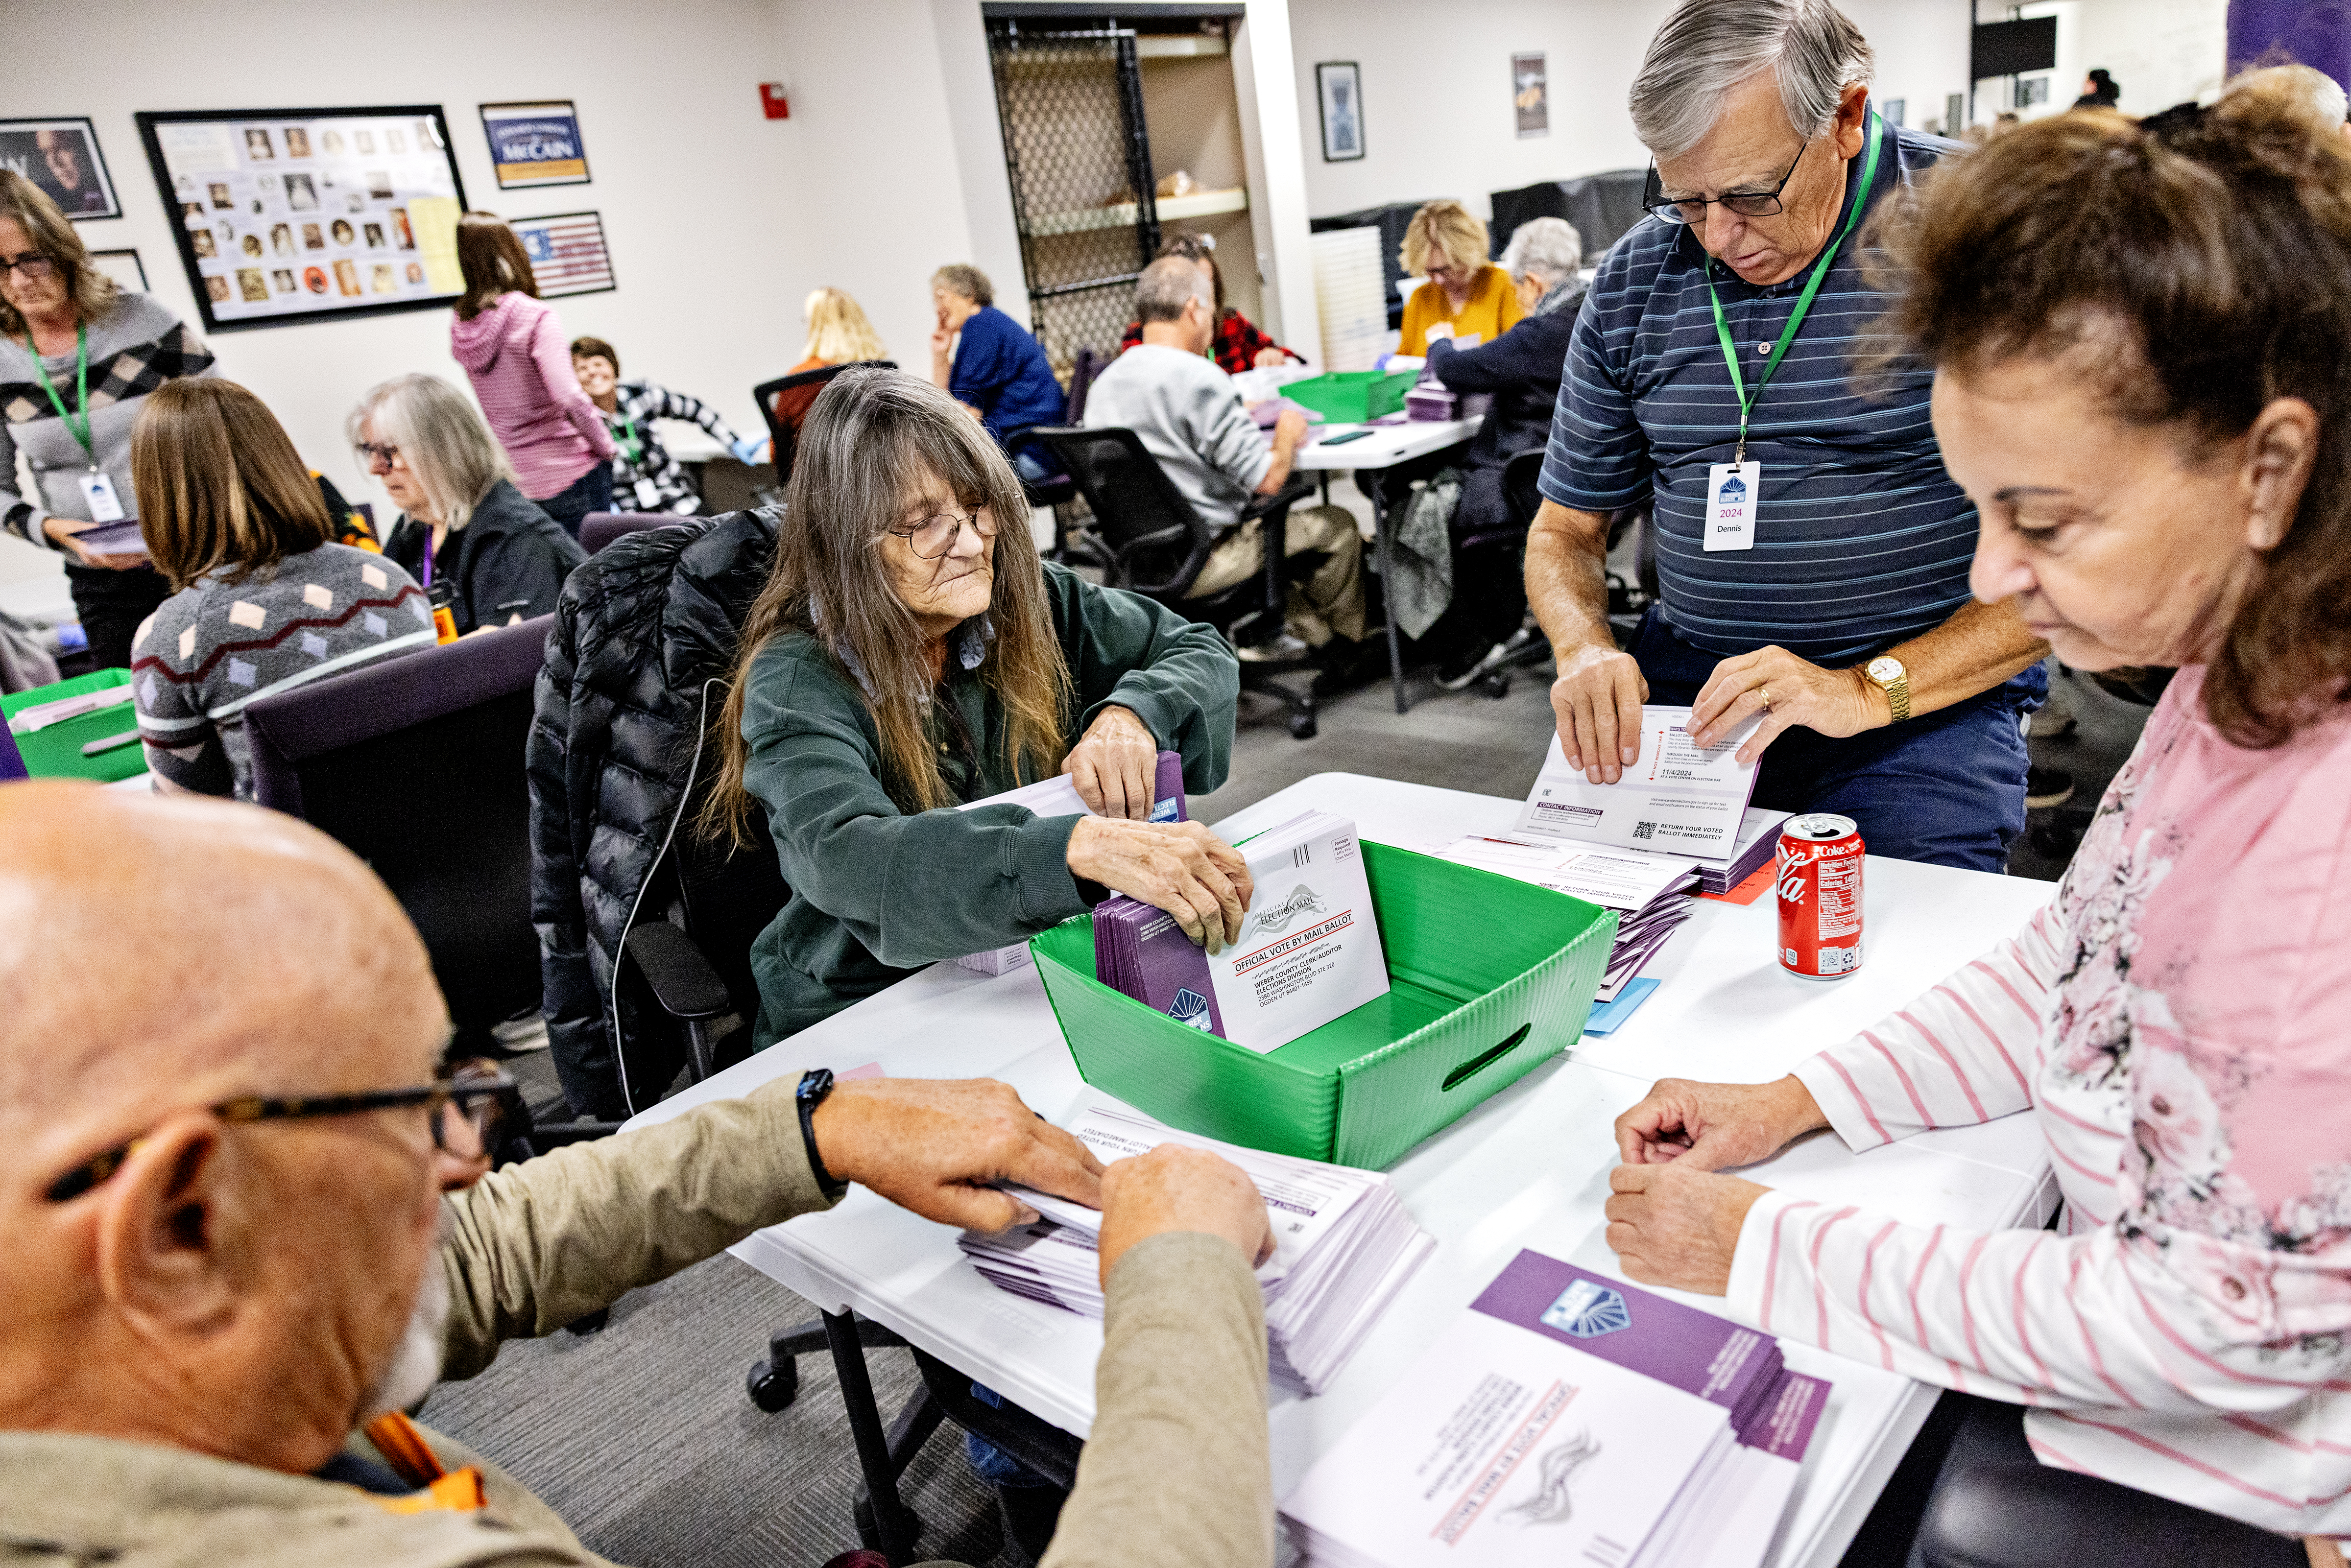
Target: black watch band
{"type": "Point", "coordinates": [815, 1084]}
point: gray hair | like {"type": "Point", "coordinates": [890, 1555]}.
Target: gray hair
{"type": "Point", "coordinates": [1168, 285]}
{"type": "Point", "coordinates": [1549, 248]}
{"type": "Point", "coordinates": [2317, 93]}
{"type": "Point", "coordinates": [441, 439]}
{"type": "Point", "coordinates": [1708, 47]}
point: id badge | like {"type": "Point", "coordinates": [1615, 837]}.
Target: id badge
{"type": "Point", "coordinates": [1733, 492]}
{"type": "Point", "coordinates": [99, 491]}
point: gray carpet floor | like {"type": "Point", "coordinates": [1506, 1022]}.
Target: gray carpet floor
{"type": "Point", "coordinates": [640, 1434]}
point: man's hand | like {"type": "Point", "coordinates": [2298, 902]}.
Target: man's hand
{"type": "Point", "coordinates": [1714, 1126]}
{"type": "Point", "coordinates": [1115, 765]}
{"type": "Point", "coordinates": [1289, 434]}
{"type": "Point", "coordinates": [936, 1147]}
{"type": "Point", "coordinates": [1271, 359]}
{"type": "Point", "coordinates": [1827, 702]}
{"type": "Point", "coordinates": [1180, 867]}
{"type": "Point", "coordinates": [1677, 1226]}
{"type": "Point", "coordinates": [1177, 1188]}
{"type": "Point", "coordinates": [62, 530]}
{"type": "Point", "coordinates": [1597, 703]}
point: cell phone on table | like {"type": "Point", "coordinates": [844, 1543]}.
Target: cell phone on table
{"type": "Point", "coordinates": [1343, 440]}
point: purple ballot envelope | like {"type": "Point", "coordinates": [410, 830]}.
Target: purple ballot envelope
{"type": "Point", "coordinates": [1696, 1352]}
{"type": "Point", "coordinates": [1167, 789]}
{"type": "Point", "coordinates": [1141, 951]}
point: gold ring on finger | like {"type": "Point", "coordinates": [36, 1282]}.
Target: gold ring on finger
{"type": "Point", "coordinates": [1765, 692]}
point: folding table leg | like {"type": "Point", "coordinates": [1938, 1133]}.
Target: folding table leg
{"type": "Point", "coordinates": [1387, 596]}
{"type": "Point", "coordinates": [895, 1528]}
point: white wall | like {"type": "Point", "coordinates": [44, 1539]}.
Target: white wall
{"type": "Point", "coordinates": [700, 199]}
{"type": "Point", "coordinates": [2162, 52]}
{"type": "Point", "coordinates": [1436, 90]}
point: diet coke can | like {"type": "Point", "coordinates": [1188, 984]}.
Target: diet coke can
{"type": "Point", "coordinates": [1819, 860]}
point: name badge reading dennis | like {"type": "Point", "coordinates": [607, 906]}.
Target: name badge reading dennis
{"type": "Point", "coordinates": [1733, 491]}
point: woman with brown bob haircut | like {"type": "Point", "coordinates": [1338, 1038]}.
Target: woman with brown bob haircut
{"type": "Point", "coordinates": [2141, 336]}
{"type": "Point", "coordinates": [911, 654]}
{"type": "Point", "coordinates": [263, 600]}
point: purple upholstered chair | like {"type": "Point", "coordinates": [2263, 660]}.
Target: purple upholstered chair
{"type": "Point", "coordinates": [598, 530]}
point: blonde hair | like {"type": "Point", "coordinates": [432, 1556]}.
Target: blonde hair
{"type": "Point", "coordinates": [839, 334]}
{"type": "Point", "coordinates": [1446, 226]}
{"type": "Point", "coordinates": [873, 438]}
{"type": "Point", "coordinates": [447, 448]}
{"type": "Point", "coordinates": [219, 484]}
{"type": "Point", "coordinates": [45, 223]}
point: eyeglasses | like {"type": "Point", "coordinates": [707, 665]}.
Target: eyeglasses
{"type": "Point", "coordinates": [933, 536]}
{"type": "Point", "coordinates": [468, 1109]}
{"type": "Point", "coordinates": [1746, 203]}
{"type": "Point", "coordinates": [31, 265]}
{"type": "Point", "coordinates": [371, 453]}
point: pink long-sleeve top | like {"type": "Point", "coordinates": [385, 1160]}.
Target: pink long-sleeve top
{"type": "Point", "coordinates": [2179, 1020]}
{"type": "Point", "coordinates": [520, 363]}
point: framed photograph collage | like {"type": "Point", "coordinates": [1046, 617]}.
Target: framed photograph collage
{"type": "Point", "coordinates": [310, 214]}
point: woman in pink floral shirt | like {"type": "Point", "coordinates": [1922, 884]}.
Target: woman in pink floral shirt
{"type": "Point", "coordinates": [2142, 335]}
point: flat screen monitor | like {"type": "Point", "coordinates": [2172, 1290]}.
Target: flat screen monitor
{"type": "Point", "coordinates": [2011, 49]}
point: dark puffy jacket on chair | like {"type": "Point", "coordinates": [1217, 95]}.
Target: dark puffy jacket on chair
{"type": "Point", "coordinates": [640, 631]}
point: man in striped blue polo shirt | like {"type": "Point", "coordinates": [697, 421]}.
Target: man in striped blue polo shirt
{"type": "Point", "coordinates": [1811, 552]}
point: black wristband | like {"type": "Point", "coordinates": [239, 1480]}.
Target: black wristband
{"type": "Point", "coordinates": [815, 1084]}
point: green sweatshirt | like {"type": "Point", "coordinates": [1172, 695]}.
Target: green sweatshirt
{"type": "Point", "coordinates": [876, 893]}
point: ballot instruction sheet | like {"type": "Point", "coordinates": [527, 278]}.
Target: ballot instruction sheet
{"type": "Point", "coordinates": [1679, 799]}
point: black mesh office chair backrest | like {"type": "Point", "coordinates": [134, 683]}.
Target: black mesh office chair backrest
{"type": "Point", "coordinates": [783, 403]}
{"type": "Point", "coordinates": [1157, 542]}
{"type": "Point", "coordinates": [416, 766]}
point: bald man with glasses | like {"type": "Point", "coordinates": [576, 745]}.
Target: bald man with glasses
{"type": "Point", "coordinates": [250, 1217]}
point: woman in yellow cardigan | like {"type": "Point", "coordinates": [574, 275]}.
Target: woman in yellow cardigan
{"type": "Point", "coordinates": [1466, 293]}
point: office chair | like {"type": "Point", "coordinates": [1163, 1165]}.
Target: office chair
{"type": "Point", "coordinates": [783, 403]}
{"type": "Point", "coordinates": [1627, 600]}
{"type": "Point", "coordinates": [1155, 545]}
{"type": "Point", "coordinates": [598, 530]}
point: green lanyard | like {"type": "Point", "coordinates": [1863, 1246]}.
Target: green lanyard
{"type": "Point", "coordinates": [1803, 302]}
{"type": "Point", "coordinates": [82, 391]}
{"type": "Point", "coordinates": [631, 446]}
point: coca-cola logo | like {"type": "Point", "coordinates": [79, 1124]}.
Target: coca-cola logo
{"type": "Point", "coordinates": [1792, 888]}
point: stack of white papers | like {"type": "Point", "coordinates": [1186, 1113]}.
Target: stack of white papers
{"type": "Point", "coordinates": [1309, 949]}
{"type": "Point", "coordinates": [1343, 1245]}
{"type": "Point", "coordinates": [1567, 1418]}
{"type": "Point", "coordinates": [1652, 892]}
{"type": "Point", "coordinates": [1680, 798]}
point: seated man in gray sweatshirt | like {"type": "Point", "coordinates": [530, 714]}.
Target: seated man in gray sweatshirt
{"type": "Point", "coordinates": [1189, 415]}
{"type": "Point", "coordinates": [249, 1222]}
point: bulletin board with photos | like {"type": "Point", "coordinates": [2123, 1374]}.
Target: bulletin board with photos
{"type": "Point", "coordinates": [284, 215]}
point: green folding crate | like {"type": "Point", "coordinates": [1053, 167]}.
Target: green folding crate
{"type": "Point", "coordinates": [56, 752]}
{"type": "Point", "coordinates": [1488, 977]}
{"type": "Point", "coordinates": [1351, 397]}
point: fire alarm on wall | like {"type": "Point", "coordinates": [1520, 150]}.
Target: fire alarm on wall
{"type": "Point", "coordinates": [771, 99]}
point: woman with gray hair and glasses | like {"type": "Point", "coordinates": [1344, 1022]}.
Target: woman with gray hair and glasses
{"type": "Point", "coordinates": [1520, 371]}
{"type": "Point", "coordinates": [482, 550]}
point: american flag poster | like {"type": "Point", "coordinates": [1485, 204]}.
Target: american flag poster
{"type": "Point", "coordinates": [567, 252]}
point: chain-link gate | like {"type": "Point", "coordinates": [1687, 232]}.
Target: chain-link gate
{"type": "Point", "coordinates": [1079, 154]}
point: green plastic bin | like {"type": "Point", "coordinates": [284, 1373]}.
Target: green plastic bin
{"type": "Point", "coordinates": [56, 752]}
{"type": "Point", "coordinates": [1489, 977]}
{"type": "Point", "coordinates": [1351, 397]}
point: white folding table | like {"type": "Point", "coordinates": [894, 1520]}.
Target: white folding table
{"type": "Point", "coordinates": [1527, 1168]}
{"type": "Point", "coordinates": [1385, 447]}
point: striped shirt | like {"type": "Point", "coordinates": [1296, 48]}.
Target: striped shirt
{"type": "Point", "coordinates": [215, 647]}
{"type": "Point", "coordinates": [2174, 1020]}
{"type": "Point", "coordinates": [1861, 539]}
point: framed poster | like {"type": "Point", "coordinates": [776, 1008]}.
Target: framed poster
{"type": "Point", "coordinates": [61, 157]}
{"type": "Point", "coordinates": [286, 215]}
{"type": "Point", "coordinates": [535, 143]}
{"type": "Point", "coordinates": [1531, 95]}
{"type": "Point", "coordinates": [123, 266]}
{"type": "Point", "coordinates": [567, 252]}
{"type": "Point", "coordinates": [1339, 84]}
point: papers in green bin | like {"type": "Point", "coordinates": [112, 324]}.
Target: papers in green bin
{"type": "Point", "coordinates": [52, 725]}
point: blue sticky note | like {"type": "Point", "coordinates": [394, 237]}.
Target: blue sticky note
{"type": "Point", "coordinates": [1606, 1016]}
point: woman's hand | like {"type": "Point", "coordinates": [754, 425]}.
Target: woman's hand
{"type": "Point", "coordinates": [1272, 358]}
{"type": "Point", "coordinates": [1787, 691]}
{"type": "Point", "coordinates": [1713, 1127]}
{"type": "Point", "coordinates": [1115, 765]}
{"type": "Point", "coordinates": [1180, 867]}
{"type": "Point", "coordinates": [1676, 1227]}
{"type": "Point", "coordinates": [62, 530]}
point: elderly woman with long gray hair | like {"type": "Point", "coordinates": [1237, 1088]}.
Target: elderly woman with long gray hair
{"type": "Point", "coordinates": [911, 654]}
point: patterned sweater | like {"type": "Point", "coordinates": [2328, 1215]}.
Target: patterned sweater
{"type": "Point", "coordinates": [134, 349]}
{"type": "Point", "coordinates": [2176, 1020]}
{"type": "Point", "coordinates": [645, 477]}
{"type": "Point", "coordinates": [214, 647]}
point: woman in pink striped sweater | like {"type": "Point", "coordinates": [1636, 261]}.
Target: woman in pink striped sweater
{"type": "Point", "coordinates": [2141, 333]}
{"type": "Point", "coordinates": [515, 349]}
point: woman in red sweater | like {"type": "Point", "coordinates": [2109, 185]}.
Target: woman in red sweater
{"type": "Point", "coordinates": [515, 349]}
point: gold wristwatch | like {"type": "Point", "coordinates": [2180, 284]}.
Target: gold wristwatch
{"type": "Point", "coordinates": [1887, 674]}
